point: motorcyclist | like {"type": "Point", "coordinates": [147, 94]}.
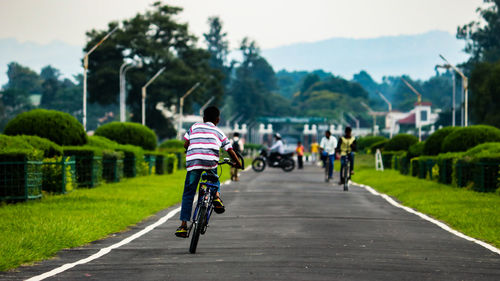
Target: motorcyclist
{"type": "Point", "coordinates": [277, 149]}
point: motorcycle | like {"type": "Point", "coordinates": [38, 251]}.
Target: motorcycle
{"type": "Point", "coordinates": [283, 161]}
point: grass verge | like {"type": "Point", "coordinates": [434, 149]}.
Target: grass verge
{"type": "Point", "coordinates": [472, 213]}
{"type": "Point", "coordinates": [37, 230]}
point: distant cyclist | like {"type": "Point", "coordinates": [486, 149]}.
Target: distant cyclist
{"type": "Point", "coordinates": [346, 148]}
{"type": "Point", "coordinates": [327, 148]}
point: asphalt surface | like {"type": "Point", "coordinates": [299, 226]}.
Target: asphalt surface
{"type": "Point", "coordinates": [286, 226]}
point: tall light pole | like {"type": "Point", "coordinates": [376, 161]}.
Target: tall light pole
{"type": "Point", "coordinates": [181, 105]}
{"type": "Point", "coordinates": [390, 110]}
{"type": "Point", "coordinates": [448, 66]}
{"type": "Point", "coordinates": [465, 86]}
{"type": "Point", "coordinates": [419, 99]}
{"type": "Point", "coordinates": [144, 95]}
{"type": "Point", "coordinates": [206, 105]}
{"type": "Point", "coordinates": [85, 68]}
{"type": "Point", "coordinates": [123, 70]}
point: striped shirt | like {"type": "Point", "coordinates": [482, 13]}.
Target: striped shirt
{"type": "Point", "coordinates": [205, 141]}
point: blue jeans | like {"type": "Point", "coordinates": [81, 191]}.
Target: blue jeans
{"type": "Point", "coordinates": [331, 158]}
{"type": "Point", "coordinates": [190, 187]}
{"type": "Point", "coordinates": [343, 160]}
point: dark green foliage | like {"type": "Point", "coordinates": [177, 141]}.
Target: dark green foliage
{"type": "Point", "coordinates": [171, 163]}
{"type": "Point", "coordinates": [378, 145]}
{"type": "Point", "coordinates": [387, 158]}
{"type": "Point", "coordinates": [463, 139]}
{"type": "Point", "coordinates": [400, 142]}
{"type": "Point", "coordinates": [59, 127]}
{"type": "Point", "coordinates": [364, 143]}
{"type": "Point", "coordinates": [128, 133]}
{"type": "Point", "coordinates": [485, 85]}
{"type": "Point", "coordinates": [133, 163]}
{"type": "Point", "coordinates": [88, 164]}
{"type": "Point", "coordinates": [50, 149]}
{"type": "Point", "coordinates": [416, 149]}
{"type": "Point", "coordinates": [8, 142]}
{"type": "Point", "coordinates": [484, 149]}
{"type": "Point", "coordinates": [173, 143]}
{"type": "Point", "coordinates": [102, 142]}
{"type": "Point", "coordinates": [434, 142]}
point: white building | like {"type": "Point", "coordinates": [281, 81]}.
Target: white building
{"type": "Point", "coordinates": [421, 115]}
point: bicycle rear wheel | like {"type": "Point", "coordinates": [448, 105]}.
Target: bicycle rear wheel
{"type": "Point", "coordinates": [346, 175]}
{"type": "Point", "coordinates": [198, 226]}
{"type": "Point", "coordinates": [327, 169]}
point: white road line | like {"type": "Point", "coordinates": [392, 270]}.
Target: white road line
{"type": "Point", "coordinates": [429, 219]}
{"type": "Point", "coordinates": [107, 250]}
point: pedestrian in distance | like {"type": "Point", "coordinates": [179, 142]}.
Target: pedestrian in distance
{"type": "Point", "coordinates": [300, 155]}
{"type": "Point", "coordinates": [238, 146]}
{"type": "Point", "coordinates": [314, 152]}
{"type": "Point", "coordinates": [327, 148]}
{"type": "Point", "coordinates": [203, 142]}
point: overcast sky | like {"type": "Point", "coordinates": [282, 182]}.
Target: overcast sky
{"type": "Point", "coordinates": [271, 23]}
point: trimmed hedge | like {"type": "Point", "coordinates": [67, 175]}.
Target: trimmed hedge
{"type": "Point", "coordinates": [387, 158]}
{"type": "Point", "coordinates": [434, 142]}
{"type": "Point", "coordinates": [465, 138]}
{"type": "Point", "coordinates": [88, 163]}
{"type": "Point", "coordinates": [378, 145]}
{"type": "Point", "coordinates": [133, 163]}
{"type": "Point", "coordinates": [129, 133]}
{"type": "Point", "coordinates": [365, 143]}
{"type": "Point", "coordinates": [400, 142]}
{"type": "Point", "coordinates": [173, 143]}
{"type": "Point", "coordinates": [59, 127]}
{"type": "Point", "coordinates": [171, 163]}
{"type": "Point", "coordinates": [416, 149]}
{"type": "Point", "coordinates": [50, 149]}
{"type": "Point", "coordinates": [485, 148]}
{"type": "Point", "coordinates": [102, 142]}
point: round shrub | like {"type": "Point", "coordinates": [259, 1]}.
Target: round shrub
{"type": "Point", "coordinates": [59, 127]}
{"type": "Point", "coordinates": [400, 142]}
{"type": "Point", "coordinates": [365, 142]}
{"type": "Point", "coordinates": [129, 133]}
{"type": "Point", "coordinates": [485, 148]}
{"type": "Point", "coordinates": [17, 149]}
{"type": "Point", "coordinates": [173, 143]}
{"type": "Point", "coordinates": [378, 145]}
{"type": "Point", "coordinates": [102, 142]}
{"type": "Point", "coordinates": [466, 138]}
{"type": "Point", "coordinates": [8, 142]}
{"type": "Point", "coordinates": [415, 150]}
{"type": "Point", "coordinates": [434, 142]}
{"type": "Point", "coordinates": [50, 149]}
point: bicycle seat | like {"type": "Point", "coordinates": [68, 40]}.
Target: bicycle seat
{"type": "Point", "coordinates": [209, 177]}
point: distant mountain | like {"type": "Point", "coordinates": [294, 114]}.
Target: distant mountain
{"type": "Point", "coordinates": [60, 55]}
{"type": "Point", "coordinates": [415, 55]}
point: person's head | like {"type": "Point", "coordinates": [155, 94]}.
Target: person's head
{"type": "Point", "coordinates": [299, 143]}
{"type": "Point", "coordinates": [277, 136]}
{"type": "Point", "coordinates": [211, 114]}
{"type": "Point", "coordinates": [236, 135]}
{"type": "Point", "coordinates": [348, 131]}
{"type": "Point", "coordinates": [328, 134]}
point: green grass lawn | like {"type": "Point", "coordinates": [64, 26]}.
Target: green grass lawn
{"type": "Point", "coordinates": [472, 213]}
{"type": "Point", "coordinates": [38, 229]}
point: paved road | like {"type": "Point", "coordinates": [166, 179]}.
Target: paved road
{"type": "Point", "coordinates": [288, 226]}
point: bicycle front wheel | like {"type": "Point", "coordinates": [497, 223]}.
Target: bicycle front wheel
{"type": "Point", "coordinates": [327, 169]}
{"type": "Point", "coordinates": [198, 226]}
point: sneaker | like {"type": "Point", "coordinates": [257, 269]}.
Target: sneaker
{"type": "Point", "coordinates": [182, 232]}
{"type": "Point", "coordinates": [219, 206]}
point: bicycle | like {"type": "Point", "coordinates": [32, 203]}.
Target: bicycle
{"type": "Point", "coordinates": [204, 206]}
{"type": "Point", "coordinates": [327, 166]}
{"type": "Point", "coordinates": [345, 170]}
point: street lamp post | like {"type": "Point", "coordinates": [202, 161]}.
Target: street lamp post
{"type": "Point", "coordinates": [419, 99]}
{"type": "Point", "coordinates": [85, 68]}
{"type": "Point", "coordinates": [144, 95]}
{"type": "Point", "coordinates": [181, 105]}
{"type": "Point", "coordinates": [448, 66]}
{"type": "Point", "coordinates": [390, 110]}
{"type": "Point", "coordinates": [123, 70]}
{"type": "Point", "coordinates": [465, 86]}
{"type": "Point", "coordinates": [355, 120]}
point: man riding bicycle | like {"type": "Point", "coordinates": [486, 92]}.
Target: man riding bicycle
{"type": "Point", "coordinates": [346, 148]}
{"type": "Point", "coordinates": [202, 143]}
{"type": "Point", "coordinates": [327, 149]}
